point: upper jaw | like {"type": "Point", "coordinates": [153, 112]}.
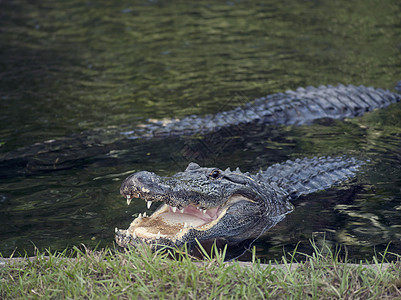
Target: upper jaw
{"type": "Point", "coordinates": [153, 188]}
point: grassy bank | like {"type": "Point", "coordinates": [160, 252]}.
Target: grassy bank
{"type": "Point", "coordinates": [144, 274]}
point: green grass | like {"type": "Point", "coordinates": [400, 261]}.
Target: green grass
{"type": "Point", "coordinates": [143, 274]}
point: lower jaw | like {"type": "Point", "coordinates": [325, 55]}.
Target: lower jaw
{"type": "Point", "coordinates": [166, 224]}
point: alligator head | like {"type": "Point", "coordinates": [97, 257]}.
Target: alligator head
{"type": "Point", "coordinates": [202, 204]}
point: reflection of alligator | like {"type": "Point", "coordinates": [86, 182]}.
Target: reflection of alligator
{"type": "Point", "coordinates": [289, 108]}
{"type": "Point", "coordinates": [208, 203]}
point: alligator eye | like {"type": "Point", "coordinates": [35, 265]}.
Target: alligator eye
{"type": "Point", "coordinates": [215, 174]}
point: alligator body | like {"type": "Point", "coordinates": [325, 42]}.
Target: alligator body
{"type": "Point", "coordinates": [221, 204]}
{"type": "Point", "coordinates": [208, 203]}
{"type": "Point", "coordinates": [299, 107]}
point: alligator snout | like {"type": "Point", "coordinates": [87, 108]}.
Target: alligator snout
{"type": "Point", "coordinates": [144, 185]}
{"type": "Point", "coordinates": [140, 181]}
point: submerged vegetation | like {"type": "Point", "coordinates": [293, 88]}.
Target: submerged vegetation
{"type": "Point", "coordinates": [143, 274]}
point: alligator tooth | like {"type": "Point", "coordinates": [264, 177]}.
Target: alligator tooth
{"type": "Point", "coordinates": [158, 235]}
{"type": "Point", "coordinates": [149, 204]}
{"type": "Point", "coordinates": [185, 224]}
{"type": "Point", "coordinates": [204, 211]}
{"type": "Point", "coordinates": [174, 209]}
{"type": "Point", "coordinates": [191, 224]}
{"type": "Point", "coordinates": [140, 215]}
{"type": "Point", "coordinates": [134, 235]}
{"type": "Point", "coordinates": [128, 199]}
{"type": "Point", "coordinates": [182, 210]}
{"type": "Point", "coordinates": [127, 234]}
{"type": "Point", "coordinates": [115, 230]}
{"type": "Point", "coordinates": [144, 214]}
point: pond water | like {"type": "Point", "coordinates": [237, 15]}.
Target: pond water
{"type": "Point", "coordinates": [99, 67]}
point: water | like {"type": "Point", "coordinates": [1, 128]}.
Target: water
{"type": "Point", "coordinates": [73, 66]}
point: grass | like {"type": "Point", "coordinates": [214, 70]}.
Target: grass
{"type": "Point", "coordinates": [144, 274]}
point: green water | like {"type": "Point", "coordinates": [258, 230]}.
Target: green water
{"type": "Point", "coordinates": [71, 66]}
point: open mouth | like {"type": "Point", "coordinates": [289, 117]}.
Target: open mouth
{"type": "Point", "coordinates": [172, 223]}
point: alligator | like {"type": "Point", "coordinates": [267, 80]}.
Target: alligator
{"type": "Point", "coordinates": [201, 204]}
{"type": "Point", "coordinates": [299, 107]}
{"type": "Point", "coordinates": [208, 203]}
